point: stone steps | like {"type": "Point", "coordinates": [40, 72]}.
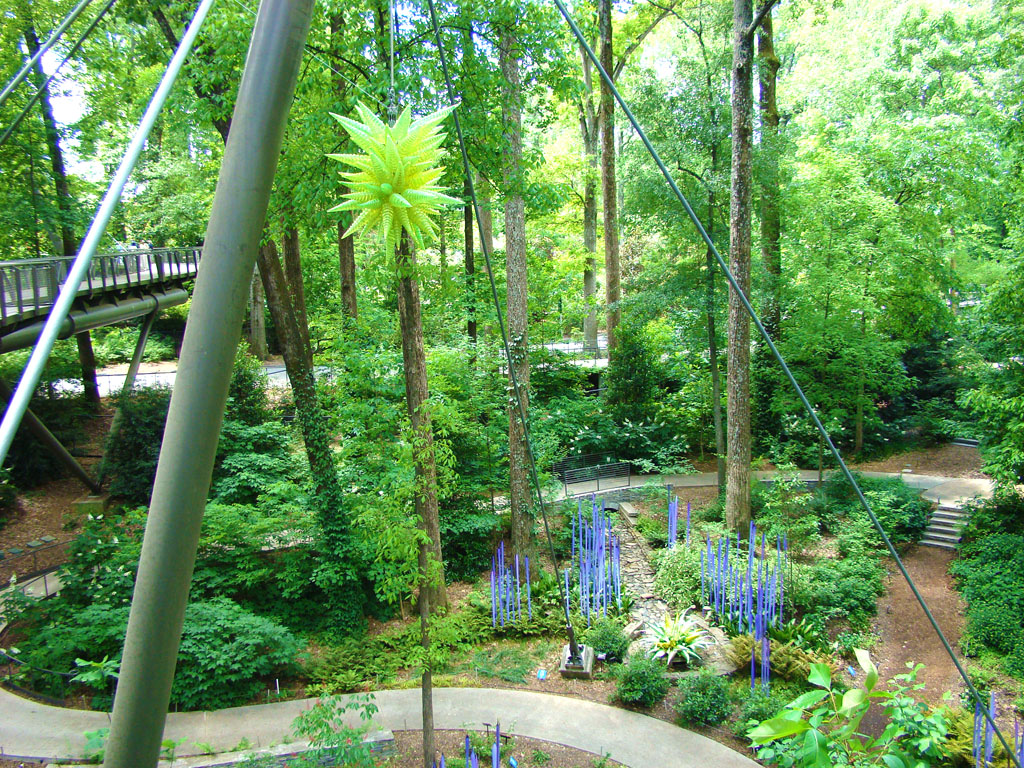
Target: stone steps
{"type": "Point", "coordinates": [945, 527]}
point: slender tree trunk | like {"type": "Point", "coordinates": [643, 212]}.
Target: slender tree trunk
{"type": "Point", "coordinates": [86, 356]}
{"type": "Point", "coordinates": [737, 493]}
{"type": "Point", "coordinates": [293, 280]}
{"type": "Point", "coordinates": [415, 360]}
{"type": "Point", "coordinates": [716, 381]}
{"type": "Point", "coordinates": [427, 677]}
{"type": "Point", "coordinates": [515, 272]}
{"type": "Point", "coordinates": [486, 219]}
{"type": "Point", "coordinates": [771, 223]}
{"type": "Point", "coordinates": [467, 233]}
{"type": "Point", "coordinates": [588, 127]}
{"type": "Point", "coordinates": [346, 245]}
{"type": "Point", "coordinates": [612, 265]}
{"type": "Point", "coordinates": [347, 270]}
{"type": "Point", "coordinates": [257, 322]}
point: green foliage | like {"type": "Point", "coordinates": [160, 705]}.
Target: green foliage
{"type": "Point", "coordinates": [131, 454]}
{"type": "Point", "coordinates": [821, 727]}
{"type": "Point", "coordinates": [28, 462]}
{"type": "Point", "coordinates": [607, 637]}
{"type": "Point", "coordinates": [677, 576]}
{"type": "Point", "coordinates": [989, 574]}
{"type": "Point", "coordinates": [509, 664]}
{"type": "Point", "coordinates": [787, 509]}
{"type": "Point", "coordinates": [641, 681]}
{"type": "Point", "coordinates": [703, 698]}
{"type": "Point", "coordinates": [756, 706]}
{"type": "Point", "coordinates": [898, 507]}
{"type": "Point", "coordinates": [655, 531]}
{"type": "Point", "coordinates": [788, 661]}
{"type": "Point", "coordinates": [468, 533]}
{"type": "Point", "coordinates": [332, 740]}
{"type": "Point", "coordinates": [844, 588]}
{"type": "Point", "coordinates": [251, 460]}
{"type": "Point", "coordinates": [247, 391]}
{"type": "Point", "coordinates": [116, 344]}
{"type": "Point", "coordinates": [8, 495]}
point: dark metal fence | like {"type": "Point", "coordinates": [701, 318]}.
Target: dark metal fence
{"type": "Point", "coordinates": [587, 480]}
{"type": "Point", "coordinates": [29, 287]}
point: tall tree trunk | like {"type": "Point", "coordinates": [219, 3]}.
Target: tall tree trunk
{"type": "Point", "coordinates": [737, 492]}
{"type": "Point", "coordinates": [340, 580]}
{"type": "Point", "coordinates": [486, 218]}
{"type": "Point", "coordinates": [257, 322]}
{"type": "Point", "coordinates": [467, 234]}
{"type": "Point", "coordinates": [415, 360]}
{"type": "Point", "coordinates": [588, 127]}
{"type": "Point", "coordinates": [515, 273]}
{"type": "Point", "coordinates": [293, 279]}
{"type": "Point", "coordinates": [765, 376]}
{"type": "Point", "coordinates": [771, 224]}
{"type": "Point", "coordinates": [346, 245]}
{"type": "Point", "coordinates": [609, 194]}
{"type": "Point", "coordinates": [86, 357]}
{"type": "Point", "coordinates": [427, 676]}
{"type": "Point", "coordinates": [716, 380]}
{"type": "Point", "coordinates": [347, 270]}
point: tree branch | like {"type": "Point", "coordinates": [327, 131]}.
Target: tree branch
{"type": "Point", "coordinates": [621, 63]}
{"type": "Point", "coordinates": [763, 11]}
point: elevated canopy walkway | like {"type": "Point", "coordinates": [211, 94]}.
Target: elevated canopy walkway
{"type": "Point", "coordinates": [118, 286]}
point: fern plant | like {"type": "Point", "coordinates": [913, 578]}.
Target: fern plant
{"type": "Point", "coordinates": [395, 187]}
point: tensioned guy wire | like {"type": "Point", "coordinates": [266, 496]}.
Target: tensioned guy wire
{"type": "Point", "coordinates": [574, 653]}
{"type": "Point", "coordinates": [23, 72]}
{"type": "Point", "coordinates": [785, 369]}
{"type": "Point", "coordinates": [46, 83]}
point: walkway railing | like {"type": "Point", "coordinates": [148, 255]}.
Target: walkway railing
{"type": "Point", "coordinates": [29, 287]}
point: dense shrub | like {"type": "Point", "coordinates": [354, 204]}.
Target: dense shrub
{"type": "Point", "coordinates": [131, 454]}
{"type": "Point", "coordinates": [247, 391]}
{"type": "Point", "coordinates": [677, 576]}
{"type": "Point", "coordinates": [704, 698]}
{"type": "Point", "coordinates": [787, 509]}
{"type": "Point", "coordinates": [251, 459]}
{"type": "Point", "coordinates": [845, 588]}
{"type": "Point", "coordinates": [606, 637]}
{"type": "Point", "coordinates": [31, 464]}
{"type": "Point", "coordinates": [116, 344]}
{"type": "Point", "coordinates": [898, 507]}
{"type": "Point", "coordinates": [757, 706]}
{"type": "Point", "coordinates": [467, 539]}
{"type": "Point", "coordinates": [990, 574]}
{"type": "Point", "coordinates": [641, 681]}
{"type": "Point", "coordinates": [225, 651]}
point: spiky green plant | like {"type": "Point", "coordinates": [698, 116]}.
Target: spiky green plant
{"type": "Point", "coordinates": [395, 187]}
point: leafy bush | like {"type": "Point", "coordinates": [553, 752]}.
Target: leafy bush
{"type": "Point", "coordinates": [898, 507]}
{"type": "Point", "coordinates": [787, 660]}
{"type": "Point", "coordinates": [247, 391]}
{"type": "Point", "coordinates": [29, 463]}
{"type": "Point", "coordinates": [677, 576]}
{"type": "Point", "coordinates": [251, 459]}
{"type": "Point", "coordinates": [756, 706]}
{"type": "Point", "coordinates": [845, 588]}
{"type": "Point", "coordinates": [641, 681]}
{"type": "Point", "coordinates": [131, 454]}
{"type": "Point", "coordinates": [467, 540]}
{"type": "Point", "coordinates": [821, 728]}
{"type": "Point", "coordinates": [653, 530]}
{"type": "Point", "coordinates": [788, 510]}
{"type": "Point", "coordinates": [224, 652]}
{"type": "Point", "coordinates": [116, 344]}
{"type": "Point", "coordinates": [8, 495]}
{"type": "Point", "coordinates": [606, 637]}
{"type": "Point", "coordinates": [704, 698]}
{"type": "Point", "coordinates": [995, 625]}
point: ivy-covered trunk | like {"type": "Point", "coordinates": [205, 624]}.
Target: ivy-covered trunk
{"type": "Point", "coordinates": [609, 192]}
{"type": "Point", "coordinates": [338, 573]}
{"type": "Point", "coordinates": [737, 490]}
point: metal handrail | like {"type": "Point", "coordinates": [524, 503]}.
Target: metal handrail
{"type": "Point", "coordinates": [30, 286]}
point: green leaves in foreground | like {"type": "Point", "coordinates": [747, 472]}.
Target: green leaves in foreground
{"type": "Point", "coordinates": [395, 187]}
{"type": "Point", "coordinates": [820, 728]}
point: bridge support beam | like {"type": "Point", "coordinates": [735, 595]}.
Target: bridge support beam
{"type": "Point", "coordinates": [129, 377]}
{"type": "Point", "coordinates": [52, 444]}
{"type": "Point", "coordinates": [201, 386]}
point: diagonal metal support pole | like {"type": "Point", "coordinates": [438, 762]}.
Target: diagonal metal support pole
{"type": "Point", "coordinates": [129, 379]}
{"type": "Point", "coordinates": [201, 386]}
{"type": "Point", "coordinates": [47, 438]}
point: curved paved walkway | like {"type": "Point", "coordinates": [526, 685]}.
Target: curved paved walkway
{"type": "Point", "coordinates": [28, 729]}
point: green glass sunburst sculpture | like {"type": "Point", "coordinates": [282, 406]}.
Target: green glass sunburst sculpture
{"type": "Point", "coordinates": [395, 187]}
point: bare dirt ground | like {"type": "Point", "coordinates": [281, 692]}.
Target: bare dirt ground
{"type": "Point", "coordinates": [945, 460]}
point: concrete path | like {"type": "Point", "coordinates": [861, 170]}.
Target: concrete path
{"type": "Point", "coordinates": [34, 730]}
{"type": "Point", "coordinates": [933, 487]}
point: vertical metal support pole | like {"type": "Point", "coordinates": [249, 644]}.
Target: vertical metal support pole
{"type": "Point", "coordinates": [201, 387]}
